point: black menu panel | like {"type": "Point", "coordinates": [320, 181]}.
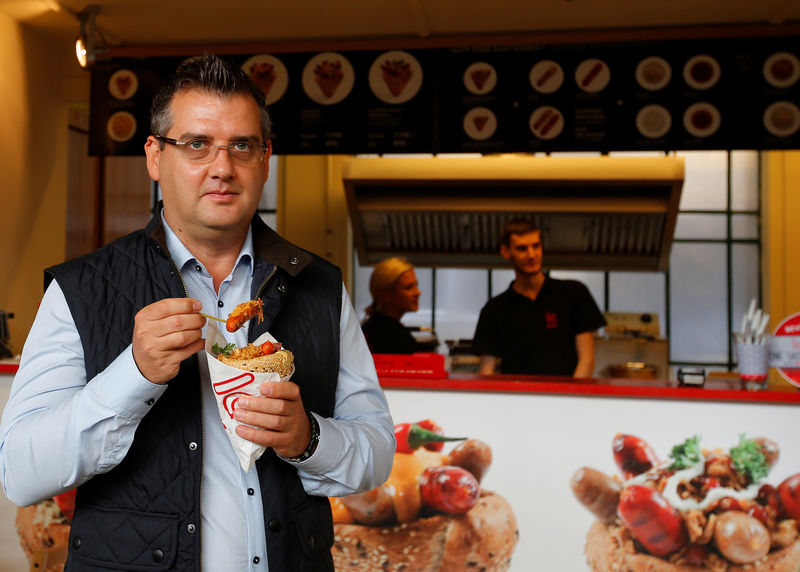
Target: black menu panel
{"type": "Point", "coordinates": [665, 95]}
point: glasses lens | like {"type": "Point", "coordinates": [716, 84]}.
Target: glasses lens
{"type": "Point", "coordinates": [244, 153]}
{"type": "Point", "coordinates": [199, 150]}
{"type": "Point", "coordinates": [241, 152]}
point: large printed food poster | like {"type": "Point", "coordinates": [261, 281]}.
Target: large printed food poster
{"type": "Point", "coordinates": [562, 483]}
{"type": "Point", "coordinates": [554, 455]}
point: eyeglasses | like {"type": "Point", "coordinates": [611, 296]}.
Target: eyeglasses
{"type": "Point", "coordinates": [204, 151]}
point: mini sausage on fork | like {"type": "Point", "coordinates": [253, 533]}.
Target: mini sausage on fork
{"type": "Point", "coordinates": [243, 313]}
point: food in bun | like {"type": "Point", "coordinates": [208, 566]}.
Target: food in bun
{"type": "Point", "coordinates": [43, 531]}
{"type": "Point", "coordinates": [430, 514]}
{"type": "Point", "coordinates": [483, 538]}
{"type": "Point", "coordinates": [266, 357]}
{"type": "Point", "coordinates": [701, 510]}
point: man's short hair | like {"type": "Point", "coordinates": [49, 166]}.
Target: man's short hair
{"type": "Point", "coordinates": [210, 74]}
{"type": "Point", "coordinates": [517, 226]}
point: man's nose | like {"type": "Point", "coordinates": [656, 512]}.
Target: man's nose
{"type": "Point", "coordinates": [221, 166]}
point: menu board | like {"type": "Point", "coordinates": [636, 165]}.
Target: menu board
{"type": "Point", "coordinates": [665, 95]}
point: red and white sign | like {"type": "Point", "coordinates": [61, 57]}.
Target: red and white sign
{"type": "Point", "coordinates": [784, 351]}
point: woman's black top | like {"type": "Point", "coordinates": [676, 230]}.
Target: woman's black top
{"type": "Point", "coordinates": [385, 335]}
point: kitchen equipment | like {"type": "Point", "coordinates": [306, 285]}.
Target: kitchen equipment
{"type": "Point", "coordinates": [426, 338]}
{"type": "Point", "coordinates": [461, 357]}
{"type": "Point", "coordinates": [603, 213]}
{"type": "Point", "coordinates": [632, 324]}
{"type": "Point", "coordinates": [692, 376]}
{"type": "Point", "coordinates": [633, 370]}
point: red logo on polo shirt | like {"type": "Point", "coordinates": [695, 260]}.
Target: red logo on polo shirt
{"type": "Point", "coordinates": [550, 320]}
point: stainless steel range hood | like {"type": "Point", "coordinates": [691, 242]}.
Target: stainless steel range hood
{"type": "Point", "coordinates": [599, 213]}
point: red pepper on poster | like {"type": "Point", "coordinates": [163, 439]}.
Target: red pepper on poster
{"type": "Point", "coordinates": [410, 436]}
{"type": "Point", "coordinates": [432, 426]}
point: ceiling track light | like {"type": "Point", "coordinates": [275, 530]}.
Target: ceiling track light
{"type": "Point", "coordinates": [85, 49]}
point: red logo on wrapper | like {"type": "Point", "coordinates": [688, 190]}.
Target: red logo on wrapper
{"type": "Point", "coordinates": [786, 348]}
{"type": "Point", "coordinates": [229, 387]}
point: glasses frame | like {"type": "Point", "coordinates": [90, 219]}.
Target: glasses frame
{"type": "Point", "coordinates": [212, 156]}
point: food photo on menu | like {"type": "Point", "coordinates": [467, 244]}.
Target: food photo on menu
{"type": "Point", "coordinates": [328, 78]}
{"type": "Point", "coordinates": [432, 514]}
{"type": "Point", "coordinates": [592, 75]}
{"type": "Point", "coordinates": [695, 507]}
{"type": "Point", "coordinates": [546, 76]}
{"type": "Point", "coordinates": [480, 78]}
{"type": "Point", "coordinates": [480, 123]}
{"type": "Point", "coordinates": [781, 70]}
{"type": "Point", "coordinates": [395, 77]}
{"type": "Point", "coordinates": [269, 74]}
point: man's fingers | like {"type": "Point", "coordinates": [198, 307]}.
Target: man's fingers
{"type": "Point", "coordinates": [170, 307]}
{"type": "Point", "coordinates": [165, 333]}
{"type": "Point", "coordinates": [280, 390]}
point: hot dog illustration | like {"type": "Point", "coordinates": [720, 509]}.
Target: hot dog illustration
{"type": "Point", "coordinates": [702, 509]}
{"type": "Point", "coordinates": [632, 455]}
{"type": "Point", "coordinates": [657, 525]}
{"type": "Point", "coordinates": [597, 491]}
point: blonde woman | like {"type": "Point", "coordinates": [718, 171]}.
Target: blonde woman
{"type": "Point", "coordinates": [395, 291]}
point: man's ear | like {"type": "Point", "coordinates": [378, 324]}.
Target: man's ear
{"type": "Point", "coordinates": [267, 155]}
{"type": "Point", "coordinates": [505, 251]}
{"type": "Point", "coordinates": [152, 151]}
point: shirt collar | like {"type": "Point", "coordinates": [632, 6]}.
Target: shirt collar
{"type": "Point", "coordinates": [545, 289]}
{"type": "Point", "coordinates": [183, 256]}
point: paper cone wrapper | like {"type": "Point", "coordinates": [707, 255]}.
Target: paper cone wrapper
{"type": "Point", "coordinates": [229, 384]}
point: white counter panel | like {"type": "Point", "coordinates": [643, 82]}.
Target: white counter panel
{"type": "Point", "coordinates": [539, 441]}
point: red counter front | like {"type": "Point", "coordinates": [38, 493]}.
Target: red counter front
{"type": "Point", "coordinates": [541, 430]}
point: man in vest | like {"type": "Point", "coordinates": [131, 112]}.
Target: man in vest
{"type": "Point", "coordinates": [113, 393]}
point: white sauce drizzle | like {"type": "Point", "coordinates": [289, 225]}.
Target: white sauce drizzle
{"type": "Point", "coordinates": [670, 492]}
{"type": "Point", "coordinates": [47, 513]}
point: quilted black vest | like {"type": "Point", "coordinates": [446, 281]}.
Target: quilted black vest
{"type": "Point", "coordinates": [144, 514]}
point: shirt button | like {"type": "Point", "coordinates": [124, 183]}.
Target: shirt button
{"type": "Point", "coordinates": [192, 446]}
{"type": "Point", "coordinates": [251, 492]}
{"type": "Point", "coordinates": [274, 525]}
{"type": "Point", "coordinates": [150, 401]}
{"type": "Point", "coordinates": [220, 303]}
{"type": "Point", "coordinates": [282, 288]}
{"type": "Point", "coordinates": [294, 260]}
{"type": "Point", "coordinates": [190, 528]}
{"type": "Point", "coordinates": [256, 559]}
{"type": "Point", "coordinates": [158, 555]}
{"type": "Point", "coordinates": [198, 267]}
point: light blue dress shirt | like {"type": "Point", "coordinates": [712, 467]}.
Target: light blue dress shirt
{"type": "Point", "coordinates": [58, 430]}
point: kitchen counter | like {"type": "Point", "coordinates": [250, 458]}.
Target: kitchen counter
{"type": "Point", "coordinates": [542, 429]}
{"type": "Point", "coordinates": [10, 365]}
{"type": "Point", "coordinates": [715, 389]}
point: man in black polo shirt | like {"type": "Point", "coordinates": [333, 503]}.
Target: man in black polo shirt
{"type": "Point", "coordinates": [540, 325]}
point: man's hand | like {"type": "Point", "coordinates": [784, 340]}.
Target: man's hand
{"type": "Point", "coordinates": [279, 416]}
{"type": "Point", "coordinates": [164, 334]}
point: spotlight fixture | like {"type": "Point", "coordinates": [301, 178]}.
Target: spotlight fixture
{"type": "Point", "coordinates": [84, 43]}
